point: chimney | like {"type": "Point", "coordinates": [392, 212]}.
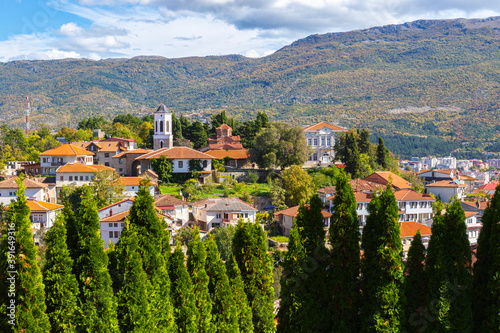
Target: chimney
{"type": "Point", "coordinates": [111, 212]}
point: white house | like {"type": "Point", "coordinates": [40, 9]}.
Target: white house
{"type": "Point", "coordinates": [173, 207]}
{"type": "Point", "coordinates": [117, 207]}
{"type": "Point", "coordinates": [33, 189]}
{"type": "Point", "coordinates": [321, 140]}
{"type": "Point", "coordinates": [409, 230]}
{"type": "Point", "coordinates": [286, 218]}
{"type": "Point", "coordinates": [77, 174]}
{"type": "Point", "coordinates": [447, 189]}
{"type": "Point", "coordinates": [215, 212]}
{"type": "Point", "coordinates": [431, 176]}
{"type": "Point", "coordinates": [180, 157]}
{"type": "Point", "coordinates": [132, 186]}
{"type": "Point", "coordinates": [51, 159]}
{"type": "Point", "coordinates": [42, 215]}
{"type": "Point", "coordinates": [414, 206]}
{"type": "Point", "coordinates": [474, 225]}
{"type": "Point", "coordinates": [112, 226]}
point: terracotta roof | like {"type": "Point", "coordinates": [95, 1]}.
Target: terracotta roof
{"type": "Point", "coordinates": [469, 214]}
{"type": "Point", "coordinates": [294, 211]}
{"type": "Point", "coordinates": [116, 203]}
{"type": "Point", "coordinates": [468, 178]}
{"type": "Point", "coordinates": [169, 200]}
{"type": "Point", "coordinates": [234, 154]}
{"type": "Point", "coordinates": [323, 124]}
{"type": "Point", "coordinates": [28, 183]}
{"type": "Point", "coordinates": [445, 183]}
{"type": "Point", "coordinates": [224, 126]}
{"type": "Point", "coordinates": [66, 150]}
{"type": "Point", "coordinates": [131, 181]}
{"type": "Point", "coordinates": [489, 187]}
{"type": "Point", "coordinates": [221, 204]}
{"type": "Point", "coordinates": [382, 177]}
{"type": "Point", "coordinates": [176, 153]}
{"type": "Point", "coordinates": [411, 195]}
{"type": "Point", "coordinates": [410, 228]}
{"type": "Point", "coordinates": [77, 167]}
{"type": "Point", "coordinates": [118, 217]}
{"type": "Point", "coordinates": [328, 189]}
{"type": "Point", "coordinates": [83, 145]}
{"type": "Point", "coordinates": [359, 196]}
{"type": "Point", "coordinates": [364, 185]}
{"type": "Point", "coordinates": [42, 206]}
{"type": "Point", "coordinates": [135, 151]}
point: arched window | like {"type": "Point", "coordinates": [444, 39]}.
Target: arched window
{"type": "Point", "coordinates": [167, 128]}
{"type": "Point", "coordinates": [205, 163]}
{"type": "Point", "coordinates": [156, 126]}
{"type": "Point", "coordinates": [161, 126]}
{"type": "Point", "coordinates": [161, 144]}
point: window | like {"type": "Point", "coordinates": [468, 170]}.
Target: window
{"type": "Point", "coordinates": [246, 215]}
{"type": "Point", "coordinates": [315, 157]}
{"type": "Point", "coordinates": [44, 160]}
{"type": "Point", "coordinates": [123, 225]}
{"type": "Point", "coordinates": [111, 234]}
{"type": "Point", "coordinates": [120, 161]}
{"type": "Point", "coordinates": [360, 206]}
{"type": "Point", "coordinates": [309, 141]}
{"type": "Point", "coordinates": [61, 178]}
{"type": "Point", "coordinates": [116, 225]}
{"type": "Point", "coordinates": [86, 177]}
{"type": "Point", "coordinates": [322, 140]}
{"type": "Point", "coordinates": [218, 216]}
{"type": "Point", "coordinates": [133, 187]}
{"type": "Point", "coordinates": [161, 144]}
{"type": "Point", "coordinates": [120, 169]}
{"type": "Point", "coordinates": [70, 178]}
{"type": "Point", "coordinates": [329, 141]}
{"type": "Point", "coordinates": [181, 164]}
{"type": "Point", "coordinates": [12, 194]}
{"type": "Point", "coordinates": [161, 125]}
{"type": "Point", "coordinates": [167, 127]}
{"type": "Point", "coordinates": [110, 225]}
{"type": "Point", "coordinates": [205, 163]}
{"type": "Point", "coordinates": [116, 234]}
{"type": "Point", "coordinates": [315, 141]}
{"type": "Point", "coordinates": [106, 164]}
{"type": "Point", "coordinates": [401, 205]}
{"type": "Point", "coordinates": [81, 177]}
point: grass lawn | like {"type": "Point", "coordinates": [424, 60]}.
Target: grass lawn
{"type": "Point", "coordinates": [215, 191]}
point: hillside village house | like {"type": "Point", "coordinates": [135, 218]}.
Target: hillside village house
{"type": "Point", "coordinates": [103, 150]}
{"type": "Point", "coordinates": [126, 164]}
{"type": "Point", "coordinates": [173, 207]}
{"type": "Point", "coordinates": [384, 177]}
{"type": "Point", "coordinates": [321, 140]}
{"type": "Point", "coordinates": [77, 174]}
{"type": "Point", "coordinates": [36, 190]}
{"type": "Point", "coordinates": [446, 189]}
{"type": "Point", "coordinates": [42, 215]}
{"type": "Point", "coordinates": [409, 230]}
{"type": "Point", "coordinates": [216, 212]}
{"type": "Point", "coordinates": [131, 185]}
{"type": "Point", "coordinates": [474, 225]}
{"type": "Point", "coordinates": [286, 218]}
{"type": "Point", "coordinates": [52, 159]}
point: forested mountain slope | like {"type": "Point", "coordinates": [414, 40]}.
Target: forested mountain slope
{"type": "Point", "coordinates": [439, 78]}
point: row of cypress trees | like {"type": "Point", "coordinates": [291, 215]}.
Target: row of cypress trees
{"type": "Point", "coordinates": [136, 286]}
{"type": "Point", "coordinates": [360, 284]}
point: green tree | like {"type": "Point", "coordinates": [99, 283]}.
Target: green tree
{"type": "Point", "coordinates": [224, 313]}
{"type": "Point", "coordinates": [243, 310]}
{"type": "Point", "coordinates": [304, 284]}
{"type": "Point", "coordinates": [96, 295]}
{"type": "Point", "coordinates": [381, 266]}
{"type": "Point", "coordinates": [195, 166]}
{"type": "Point", "coordinates": [61, 286]}
{"type": "Point", "coordinates": [415, 284]}
{"type": "Point", "coordinates": [486, 300]}
{"type": "Point", "coordinates": [23, 290]}
{"type": "Point", "coordinates": [176, 127]}
{"type": "Point", "coordinates": [448, 266]}
{"type": "Point", "coordinates": [163, 168]}
{"type": "Point", "coordinates": [199, 136]}
{"type": "Point", "coordinates": [344, 259]}
{"type": "Point", "coordinates": [197, 256]}
{"type": "Point", "coordinates": [298, 185]}
{"type": "Point", "coordinates": [107, 188]}
{"type": "Point", "coordinates": [223, 237]}
{"type": "Point", "coordinates": [134, 313]}
{"type": "Point", "coordinates": [185, 311]}
{"type": "Point", "coordinates": [364, 143]}
{"type": "Point", "coordinates": [250, 252]}
{"type": "Point", "coordinates": [351, 155]}
{"type": "Point", "coordinates": [383, 157]}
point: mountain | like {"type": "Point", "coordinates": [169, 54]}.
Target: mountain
{"type": "Point", "coordinates": [424, 80]}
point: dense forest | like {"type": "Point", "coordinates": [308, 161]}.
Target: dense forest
{"type": "Point", "coordinates": [424, 78]}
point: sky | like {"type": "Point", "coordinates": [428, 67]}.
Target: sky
{"type": "Point", "coordinates": [99, 29]}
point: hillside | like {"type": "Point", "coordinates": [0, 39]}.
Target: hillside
{"type": "Point", "coordinates": [424, 78]}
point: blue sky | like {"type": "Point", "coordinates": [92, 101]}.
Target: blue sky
{"type": "Point", "coordinates": [97, 29]}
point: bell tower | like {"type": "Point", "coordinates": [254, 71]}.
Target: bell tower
{"type": "Point", "coordinates": [163, 137]}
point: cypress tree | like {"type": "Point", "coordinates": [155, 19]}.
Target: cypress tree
{"type": "Point", "coordinates": [243, 310]}
{"type": "Point", "coordinates": [415, 284]}
{"type": "Point", "coordinates": [197, 257]}
{"type": "Point", "coordinates": [176, 127]}
{"type": "Point", "coordinates": [134, 312]}
{"type": "Point", "coordinates": [250, 252]}
{"type": "Point", "coordinates": [61, 286]}
{"type": "Point", "coordinates": [383, 158]}
{"type": "Point", "coordinates": [344, 259]}
{"type": "Point", "coordinates": [185, 312]}
{"type": "Point", "coordinates": [23, 307]}
{"type": "Point", "coordinates": [304, 285]}
{"type": "Point", "coordinates": [154, 247]}
{"type": "Point", "coordinates": [224, 314]}
{"type": "Point", "coordinates": [96, 294]}
{"type": "Point", "coordinates": [486, 301]}
{"type": "Point", "coordinates": [449, 267]}
{"type": "Point", "coordinates": [364, 141]}
{"type": "Point", "coordinates": [351, 154]}
{"type": "Point", "coordinates": [381, 266]}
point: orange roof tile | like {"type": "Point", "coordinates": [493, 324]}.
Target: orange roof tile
{"type": "Point", "coordinates": [66, 150]}
{"type": "Point", "coordinates": [118, 217]}
{"type": "Point", "coordinates": [411, 195]}
{"type": "Point", "coordinates": [383, 177]}
{"type": "Point", "coordinates": [410, 228]}
{"type": "Point", "coordinates": [294, 211]}
{"type": "Point", "coordinates": [28, 183]}
{"type": "Point", "coordinates": [176, 153]}
{"type": "Point", "coordinates": [469, 214]}
{"type": "Point", "coordinates": [364, 185]}
{"type": "Point", "coordinates": [445, 183]}
{"type": "Point", "coordinates": [42, 206]}
{"type": "Point", "coordinates": [234, 154]}
{"type": "Point", "coordinates": [169, 200]}
{"type": "Point", "coordinates": [77, 167]}
{"type": "Point", "coordinates": [323, 124]}
{"type": "Point", "coordinates": [224, 126]}
{"type": "Point", "coordinates": [131, 181]}
{"type": "Point", "coordinates": [135, 151]}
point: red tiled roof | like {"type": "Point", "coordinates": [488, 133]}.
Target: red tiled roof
{"type": "Point", "coordinates": [323, 124]}
{"type": "Point", "coordinates": [28, 183]}
{"type": "Point", "coordinates": [383, 177]}
{"type": "Point", "coordinates": [42, 206]}
{"type": "Point", "coordinates": [135, 151]}
{"type": "Point", "coordinates": [169, 200]}
{"type": "Point", "coordinates": [233, 154]}
{"type": "Point", "coordinates": [294, 211]}
{"type": "Point", "coordinates": [116, 203]}
{"type": "Point", "coordinates": [131, 181]}
{"type": "Point", "coordinates": [224, 126]}
{"type": "Point", "coordinates": [176, 153]}
{"type": "Point", "coordinates": [445, 183]}
{"type": "Point", "coordinates": [66, 150]}
{"type": "Point", "coordinates": [328, 189]}
{"type": "Point", "coordinates": [364, 185]}
{"type": "Point", "coordinates": [77, 167]}
{"type": "Point", "coordinates": [489, 187]}
{"type": "Point", "coordinates": [410, 228]}
{"type": "Point", "coordinates": [411, 195]}
{"type": "Point", "coordinates": [118, 217]}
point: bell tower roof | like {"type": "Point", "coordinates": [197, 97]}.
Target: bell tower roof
{"type": "Point", "coordinates": [162, 109]}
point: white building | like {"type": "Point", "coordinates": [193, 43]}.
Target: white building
{"type": "Point", "coordinates": [321, 140]}
{"type": "Point", "coordinates": [131, 185]}
{"type": "Point", "coordinates": [286, 218]}
{"type": "Point", "coordinates": [447, 163]}
{"type": "Point", "coordinates": [34, 190]}
{"type": "Point", "coordinates": [173, 207]}
{"type": "Point", "coordinates": [474, 225]}
{"type": "Point", "coordinates": [77, 174]}
{"type": "Point", "coordinates": [117, 207]}
{"type": "Point", "coordinates": [216, 212]}
{"type": "Point", "coordinates": [430, 162]}
{"type": "Point", "coordinates": [446, 189]}
{"type": "Point", "coordinates": [409, 230]}
{"type": "Point", "coordinates": [180, 157]}
{"type": "Point", "coordinates": [42, 215]}
{"type": "Point", "coordinates": [52, 159]}
{"type": "Point", "coordinates": [163, 136]}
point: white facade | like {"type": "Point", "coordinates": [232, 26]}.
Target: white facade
{"type": "Point", "coordinates": [474, 225]}
{"type": "Point", "coordinates": [321, 140]}
{"type": "Point", "coordinates": [430, 162]}
{"type": "Point", "coordinates": [117, 207]}
{"type": "Point", "coordinates": [111, 232]}
{"type": "Point", "coordinates": [446, 192]}
{"type": "Point", "coordinates": [217, 212]}
{"type": "Point", "coordinates": [447, 163]}
{"type": "Point", "coordinates": [163, 136]}
{"type": "Point", "coordinates": [182, 165]}
{"type": "Point", "coordinates": [7, 195]}
{"type": "Point", "coordinates": [132, 190]}
{"type": "Point", "coordinates": [49, 164]}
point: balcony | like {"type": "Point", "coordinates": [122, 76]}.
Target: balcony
{"type": "Point", "coordinates": [57, 164]}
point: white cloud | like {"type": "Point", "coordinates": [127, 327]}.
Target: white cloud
{"type": "Point", "coordinates": [70, 29]}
